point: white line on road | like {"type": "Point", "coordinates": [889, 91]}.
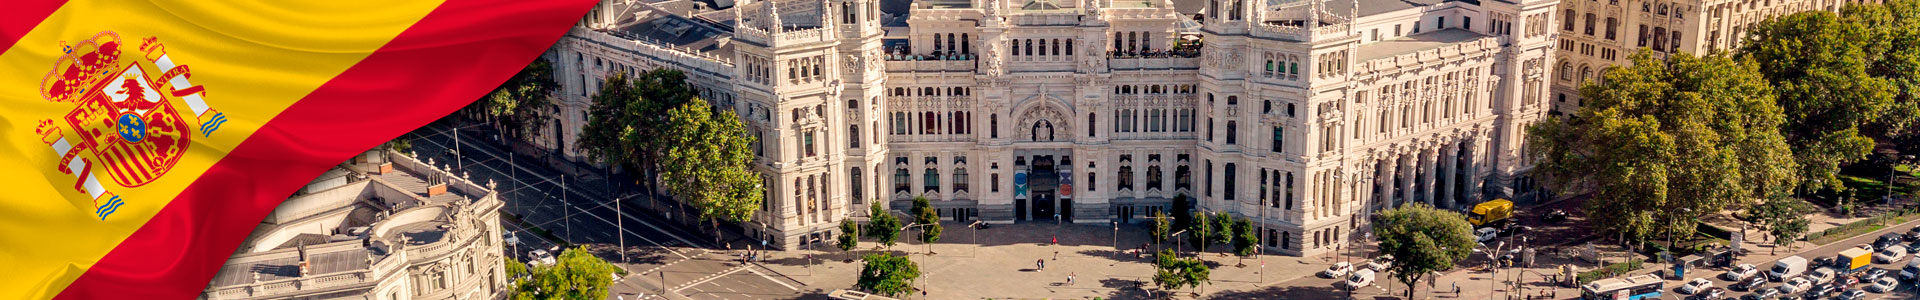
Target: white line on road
{"type": "Point", "coordinates": [712, 277]}
{"type": "Point", "coordinates": [770, 278]}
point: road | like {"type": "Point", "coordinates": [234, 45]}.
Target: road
{"type": "Point", "coordinates": [1906, 290]}
{"type": "Point", "coordinates": [581, 210]}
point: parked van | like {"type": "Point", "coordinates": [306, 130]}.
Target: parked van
{"type": "Point", "coordinates": [1823, 275]}
{"type": "Point", "coordinates": [1891, 255]}
{"type": "Point", "coordinates": [1912, 270]}
{"type": "Point", "coordinates": [1363, 277]}
{"type": "Point", "coordinates": [1787, 267]}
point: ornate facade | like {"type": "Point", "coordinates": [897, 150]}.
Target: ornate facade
{"type": "Point", "coordinates": [380, 227]}
{"type": "Point", "coordinates": [1303, 115]}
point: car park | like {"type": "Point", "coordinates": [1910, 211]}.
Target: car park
{"type": "Point", "coordinates": [1872, 275]}
{"type": "Point", "coordinates": [1740, 272]}
{"type": "Point", "coordinates": [1845, 281]}
{"type": "Point", "coordinates": [1337, 270]}
{"type": "Point", "coordinates": [1695, 286]}
{"type": "Point", "coordinates": [1823, 261]}
{"type": "Point", "coordinates": [1912, 236]}
{"type": "Point", "coordinates": [1787, 267]}
{"type": "Point", "coordinates": [1868, 246]}
{"type": "Point", "coordinates": [1765, 294]}
{"type": "Point", "coordinates": [1913, 247]}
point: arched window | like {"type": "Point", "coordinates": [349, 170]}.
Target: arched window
{"type": "Point", "coordinates": [932, 178]}
{"type": "Point", "coordinates": [853, 136]}
{"type": "Point", "coordinates": [960, 180]}
{"type": "Point", "coordinates": [1126, 175]}
{"type": "Point", "coordinates": [966, 46]}
{"type": "Point", "coordinates": [1030, 46]}
{"type": "Point", "coordinates": [1043, 46]}
{"type": "Point", "coordinates": [855, 182]}
{"type": "Point", "coordinates": [1567, 24]}
{"type": "Point", "coordinates": [1091, 128]}
{"type": "Point", "coordinates": [993, 125]}
{"type": "Point", "coordinates": [936, 42]}
{"type": "Point", "coordinates": [1566, 71]}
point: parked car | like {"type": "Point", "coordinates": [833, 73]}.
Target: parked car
{"type": "Point", "coordinates": [1913, 247]}
{"type": "Point", "coordinates": [1889, 239]}
{"type": "Point", "coordinates": [1711, 294]}
{"type": "Point", "coordinates": [1337, 270]}
{"type": "Point", "coordinates": [1869, 247]}
{"type": "Point", "coordinates": [1486, 234]}
{"type": "Point", "coordinates": [540, 257]}
{"type": "Point", "coordinates": [1555, 216]}
{"type": "Point", "coordinates": [1845, 281]}
{"type": "Point", "coordinates": [1740, 272]}
{"type": "Point", "coordinates": [1873, 274]}
{"type": "Point", "coordinates": [1751, 284]}
{"type": "Point", "coordinates": [1822, 275]}
{"type": "Point", "coordinates": [1823, 261]}
{"type": "Point", "coordinates": [1912, 236]}
{"type": "Point", "coordinates": [1820, 291]}
{"type": "Point", "coordinates": [1795, 284]}
{"type": "Point", "coordinates": [1890, 255]}
{"type": "Point", "coordinates": [1883, 285]}
{"type": "Point", "coordinates": [1767, 293]}
{"type": "Point", "coordinates": [1360, 278]}
{"type": "Point", "coordinates": [1697, 285]}
{"type": "Point", "coordinates": [1853, 295]}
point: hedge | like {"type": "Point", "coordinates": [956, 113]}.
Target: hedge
{"type": "Point", "coordinates": [1609, 271]}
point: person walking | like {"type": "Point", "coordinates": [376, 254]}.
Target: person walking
{"type": "Point", "coordinates": [1070, 278]}
{"type": "Point", "coordinates": [1040, 264]}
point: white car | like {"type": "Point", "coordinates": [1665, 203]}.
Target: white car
{"type": "Point", "coordinates": [1695, 286]}
{"type": "Point", "coordinates": [1337, 270]}
{"type": "Point", "coordinates": [1795, 285]}
{"type": "Point", "coordinates": [540, 258]}
{"type": "Point", "coordinates": [1486, 234]}
{"type": "Point", "coordinates": [1885, 284]}
{"type": "Point", "coordinates": [1740, 272]}
{"type": "Point", "coordinates": [1890, 255]}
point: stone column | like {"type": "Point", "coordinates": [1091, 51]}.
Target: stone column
{"type": "Point", "coordinates": [1382, 177]}
{"type": "Point", "coordinates": [1476, 153]}
{"type": "Point", "coordinates": [1449, 166]}
{"type": "Point", "coordinates": [1407, 170]}
{"type": "Point", "coordinates": [1429, 160]}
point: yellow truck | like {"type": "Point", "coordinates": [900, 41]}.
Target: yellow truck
{"type": "Point", "coordinates": [1854, 259]}
{"type": "Point", "coordinates": [1491, 212]}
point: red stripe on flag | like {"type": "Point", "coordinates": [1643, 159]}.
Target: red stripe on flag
{"type": "Point", "coordinates": [458, 53]}
{"type": "Point", "coordinates": [19, 18]}
{"type": "Point", "coordinates": [114, 161]}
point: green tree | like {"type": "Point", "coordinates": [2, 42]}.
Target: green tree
{"type": "Point", "coordinates": [1182, 212]}
{"type": "Point", "coordinates": [1662, 141]}
{"type": "Point", "coordinates": [883, 226]}
{"type": "Point", "coordinates": [1244, 239]}
{"type": "Point", "coordinates": [1160, 228]}
{"type": "Point", "coordinates": [1784, 218]}
{"type": "Point", "coordinates": [1422, 240]}
{"type": "Point", "coordinates": [712, 163]}
{"type": "Point", "coordinates": [515, 268]}
{"type": "Point", "coordinates": [1818, 64]}
{"type": "Point", "coordinates": [883, 273]}
{"type": "Point", "coordinates": [1201, 233]}
{"type": "Point", "coordinates": [1172, 273]}
{"type": "Point", "coordinates": [1223, 233]}
{"type": "Point", "coordinates": [518, 108]}
{"type": "Point", "coordinates": [849, 235]}
{"type": "Point", "coordinates": [923, 213]}
{"type": "Point", "coordinates": [577, 275]}
{"type": "Point", "coordinates": [628, 116]}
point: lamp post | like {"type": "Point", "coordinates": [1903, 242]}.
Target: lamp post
{"type": "Point", "coordinates": [1156, 244]}
{"type": "Point", "coordinates": [976, 237]}
{"type": "Point", "coordinates": [1177, 243]}
{"type": "Point", "coordinates": [1492, 268]}
{"type": "Point", "coordinates": [929, 245]}
{"type": "Point", "coordinates": [1116, 239]}
{"type": "Point", "coordinates": [1890, 168]}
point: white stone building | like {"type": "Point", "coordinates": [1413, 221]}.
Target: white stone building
{"type": "Point", "coordinates": [1304, 115]}
{"type": "Point", "coordinates": [381, 226]}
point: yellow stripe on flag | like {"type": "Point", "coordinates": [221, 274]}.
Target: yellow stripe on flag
{"type": "Point", "coordinates": [254, 59]}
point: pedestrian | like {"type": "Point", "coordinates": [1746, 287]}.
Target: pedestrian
{"type": "Point", "coordinates": [1040, 264]}
{"type": "Point", "coordinates": [1070, 278]}
{"type": "Point", "coordinates": [1456, 289]}
{"type": "Point", "coordinates": [1056, 255]}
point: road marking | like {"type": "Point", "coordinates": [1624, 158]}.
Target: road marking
{"type": "Point", "coordinates": [770, 278]}
{"type": "Point", "coordinates": [711, 278]}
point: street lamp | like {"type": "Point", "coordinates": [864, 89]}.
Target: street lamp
{"type": "Point", "coordinates": [1177, 243]}
{"type": "Point", "coordinates": [1492, 268]}
{"type": "Point", "coordinates": [1116, 239]}
{"type": "Point", "coordinates": [976, 237]}
{"type": "Point", "coordinates": [929, 245]}
{"type": "Point", "coordinates": [1890, 168]}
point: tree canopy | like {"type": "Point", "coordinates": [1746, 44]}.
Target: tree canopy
{"type": "Point", "coordinates": [1818, 64]}
{"type": "Point", "coordinates": [1668, 140]}
{"type": "Point", "coordinates": [883, 226]}
{"type": "Point", "coordinates": [923, 213]}
{"type": "Point", "coordinates": [518, 105]}
{"type": "Point", "coordinates": [712, 164]}
{"type": "Point", "coordinates": [1158, 233]}
{"type": "Point", "coordinates": [885, 274]}
{"type": "Point", "coordinates": [628, 116]}
{"type": "Point", "coordinates": [1172, 273]}
{"type": "Point", "coordinates": [578, 275]}
{"type": "Point", "coordinates": [1422, 240]}
{"type": "Point", "coordinates": [849, 235]}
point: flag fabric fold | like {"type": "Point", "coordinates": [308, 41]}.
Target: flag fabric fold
{"type": "Point", "coordinates": [146, 140]}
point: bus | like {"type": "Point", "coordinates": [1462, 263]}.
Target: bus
{"type": "Point", "coordinates": [1630, 288]}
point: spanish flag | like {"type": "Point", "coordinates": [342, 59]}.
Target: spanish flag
{"type": "Point", "coordinates": [142, 140]}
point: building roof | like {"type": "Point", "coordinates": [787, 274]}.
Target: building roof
{"type": "Point", "coordinates": [1415, 43]}
{"type": "Point", "coordinates": [659, 27]}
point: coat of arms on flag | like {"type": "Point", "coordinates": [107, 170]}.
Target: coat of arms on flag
{"type": "Point", "coordinates": [126, 117]}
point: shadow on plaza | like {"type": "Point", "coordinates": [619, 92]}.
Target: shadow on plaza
{"type": "Point", "coordinates": [1291, 292]}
